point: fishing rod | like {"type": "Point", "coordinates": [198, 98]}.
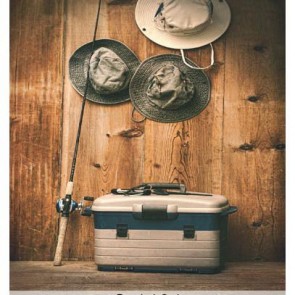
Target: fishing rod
{"type": "Point", "coordinates": [67, 205]}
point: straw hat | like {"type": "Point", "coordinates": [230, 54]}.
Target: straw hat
{"type": "Point", "coordinates": [164, 89]}
{"type": "Point", "coordinates": [111, 67]}
{"type": "Point", "coordinates": [182, 24]}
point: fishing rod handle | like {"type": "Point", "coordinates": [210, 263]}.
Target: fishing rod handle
{"type": "Point", "coordinates": [69, 188]}
{"type": "Point", "coordinates": [61, 238]}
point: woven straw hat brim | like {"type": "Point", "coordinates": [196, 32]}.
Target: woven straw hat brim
{"type": "Point", "coordinates": [140, 82]}
{"type": "Point", "coordinates": [78, 66]}
{"type": "Point", "coordinates": [144, 15]}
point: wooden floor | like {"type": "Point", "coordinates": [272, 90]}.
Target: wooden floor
{"type": "Point", "coordinates": [84, 276]}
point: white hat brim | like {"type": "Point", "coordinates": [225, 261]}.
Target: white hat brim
{"type": "Point", "coordinates": [144, 16]}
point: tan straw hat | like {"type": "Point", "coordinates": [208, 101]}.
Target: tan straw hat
{"type": "Point", "coordinates": [182, 24]}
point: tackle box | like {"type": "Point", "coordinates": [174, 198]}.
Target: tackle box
{"type": "Point", "coordinates": [161, 228]}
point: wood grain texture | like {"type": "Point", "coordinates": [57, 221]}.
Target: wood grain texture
{"type": "Point", "coordinates": [111, 146]}
{"type": "Point", "coordinates": [235, 147]}
{"type": "Point", "coordinates": [84, 276]}
{"type": "Point", "coordinates": [190, 152]}
{"type": "Point", "coordinates": [254, 130]}
{"type": "Point", "coordinates": [35, 110]}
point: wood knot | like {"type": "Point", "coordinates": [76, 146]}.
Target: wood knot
{"type": "Point", "coordinates": [133, 132]}
{"type": "Point", "coordinates": [253, 98]}
{"type": "Point", "coordinates": [280, 146]}
{"type": "Point", "coordinates": [260, 48]}
{"type": "Point", "coordinates": [14, 120]}
{"type": "Point", "coordinates": [256, 223]}
{"type": "Point", "coordinates": [246, 147]}
{"type": "Point", "coordinates": [96, 165]}
{"type": "Point", "coordinates": [156, 165]}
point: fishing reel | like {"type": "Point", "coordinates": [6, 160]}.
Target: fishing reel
{"type": "Point", "coordinates": [66, 205]}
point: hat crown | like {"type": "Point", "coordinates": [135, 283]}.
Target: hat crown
{"type": "Point", "coordinates": [184, 16]}
{"type": "Point", "coordinates": [169, 88]}
{"type": "Point", "coordinates": [108, 73]}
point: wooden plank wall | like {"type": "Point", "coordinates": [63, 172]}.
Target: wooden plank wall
{"type": "Point", "coordinates": [253, 133]}
{"type": "Point", "coordinates": [234, 147]}
{"type": "Point", "coordinates": [35, 132]}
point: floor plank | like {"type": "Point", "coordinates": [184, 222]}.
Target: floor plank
{"type": "Point", "coordinates": [78, 275]}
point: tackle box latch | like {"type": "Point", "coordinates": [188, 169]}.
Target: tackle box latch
{"type": "Point", "coordinates": [122, 230]}
{"type": "Point", "coordinates": [188, 232]}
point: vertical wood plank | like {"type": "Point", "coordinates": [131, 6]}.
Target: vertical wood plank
{"type": "Point", "coordinates": [35, 109]}
{"type": "Point", "coordinates": [111, 146]}
{"type": "Point", "coordinates": [190, 152]}
{"type": "Point", "coordinates": [234, 147]}
{"type": "Point", "coordinates": [253, 162]}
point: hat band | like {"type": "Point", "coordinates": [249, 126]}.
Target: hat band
{"type": "Point", "coordinates": [197, 67]}
{"type": "Point", "coordinates": [160, 8]}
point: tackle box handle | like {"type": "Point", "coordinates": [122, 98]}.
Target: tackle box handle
{"type": "Point", "coordinates": [154, 212]}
